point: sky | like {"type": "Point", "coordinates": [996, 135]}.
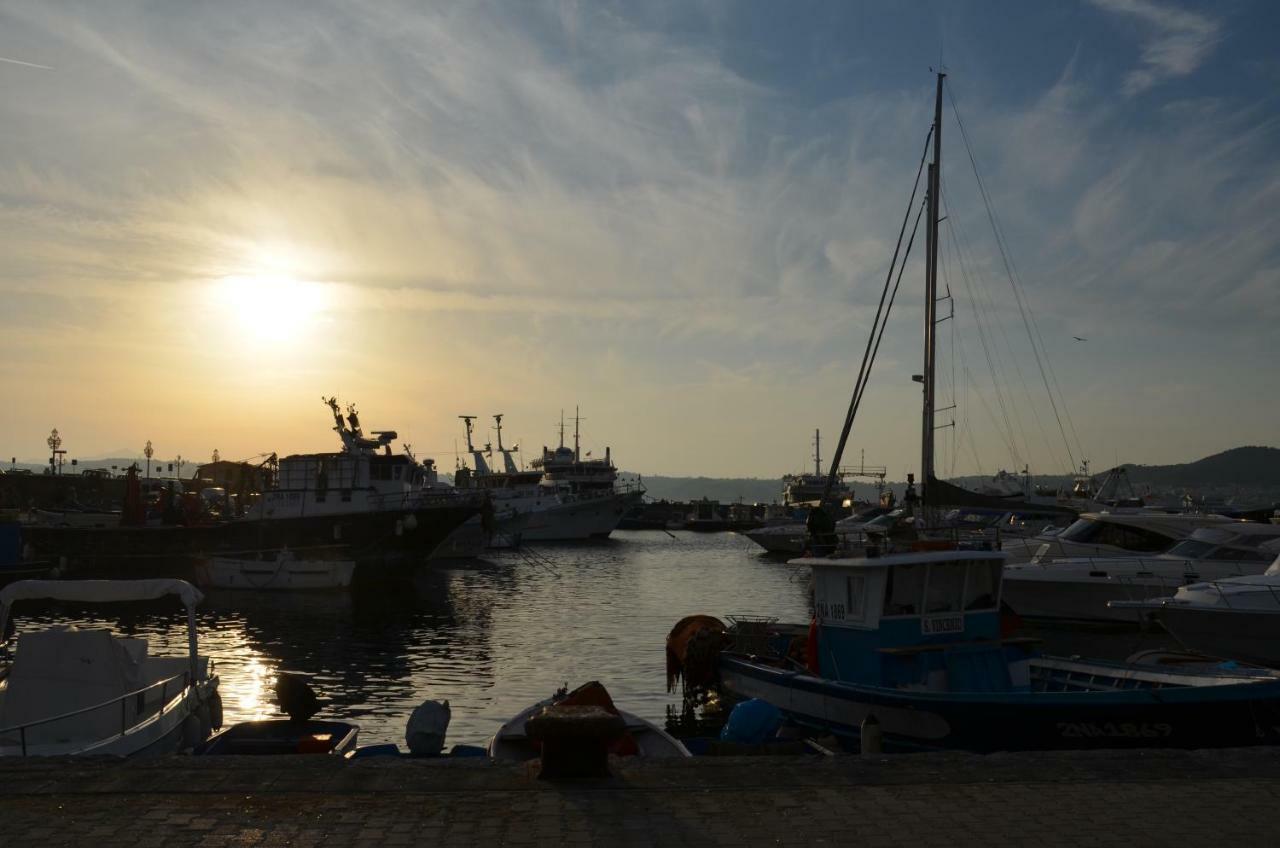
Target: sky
{"type": "Point", "coordinates": [676, 216]}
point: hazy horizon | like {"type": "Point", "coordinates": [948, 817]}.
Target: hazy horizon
{"type": "Point", "coordinates": [676, 216]}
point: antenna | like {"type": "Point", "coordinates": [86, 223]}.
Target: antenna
{"type": "Point", "coordinates": [576, 419]}
{"type": "Point", "coordinates": [468, 419]}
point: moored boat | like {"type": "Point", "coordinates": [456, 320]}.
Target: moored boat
{"type": "Point", "coordinates": [276, 571]}
{"type": "Point", "coordinates": [1236, 618]}
{"type": "Point", "coordinates": [643, 738]}
{"type": "Point", "coordinates": [283, 736]}
{"type": "Point", "coordinates": [913, 640]}
{"type": "Point", "coordinates": [76, 691]}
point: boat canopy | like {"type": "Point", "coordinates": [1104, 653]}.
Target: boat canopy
{"type": "Point", "coordinates": [97, 592]}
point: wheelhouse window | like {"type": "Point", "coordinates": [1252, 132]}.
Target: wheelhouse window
{"type": "Point", "coordinates": [982, 585]}
{"type": "Point", "coordinates": [857, 597]}
{"type": "Point", "coordinates": [905, 590]}
{"type": "Point", "coordinates": [946, 585]}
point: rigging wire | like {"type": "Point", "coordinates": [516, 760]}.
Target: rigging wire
{"type": "Point", "coordinates": [867, 355]}
{"type": "Point", "coordinates": [981, 306]}
{"type": "Point", "coordinates": [1017, 291]}
{"type": "Point", "coordinates": [957, 235]}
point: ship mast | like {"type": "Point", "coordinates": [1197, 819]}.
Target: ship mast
{"type": "Point", "coordinates": [817, 453]}
{"type": "Point", "coordinates": [507, 462]}
{"type": "Point", "coordinates": [931, 300]}
{"type": "Point", "coordinates": [576, 420]}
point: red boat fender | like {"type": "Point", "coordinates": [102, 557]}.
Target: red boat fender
{"type": "Point", "coordinates": [811, 648]}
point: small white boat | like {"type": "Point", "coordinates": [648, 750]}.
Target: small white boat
{"type": "Point", "coordinates": [643, 737]}
{"type": "Point", "coordinates": [283, 572]}
{"type": "Point", "coordinates": [74, 691]}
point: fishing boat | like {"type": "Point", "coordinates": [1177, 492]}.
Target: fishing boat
{"type": "Point", "coordinates": [562, 498]}
{"type": "Point", "coordinates": [284, 736]}
{"type": "Point", "coordinates": [274, 571]}
{"type": "Point", "coordinates": [78, 691]}
{"type": "Point", "coordinates": [908, 637]}
{"type": "Point", "coordinates": [643, 738]}
{"type": "Point", "coordinates": [912, 639]}
{"type": "Point", "coordinates": [380, 504]}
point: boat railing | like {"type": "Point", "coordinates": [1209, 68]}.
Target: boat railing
{"type": "Point", "coordinates": [142, 709]}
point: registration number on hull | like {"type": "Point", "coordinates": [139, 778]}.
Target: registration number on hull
{"type": "Point", "coordinates": [1108, 730]}
{"type": "Point", "coordinates": [934, 624]}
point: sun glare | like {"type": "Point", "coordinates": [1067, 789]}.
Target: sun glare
{"type": "Point", "coordinates": [270, 308]}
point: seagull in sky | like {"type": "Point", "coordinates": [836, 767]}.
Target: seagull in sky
{"type": "Point", "coordinates": [1077, 338]}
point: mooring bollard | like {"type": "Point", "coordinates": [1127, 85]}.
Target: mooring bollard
{"type": "Point", "coordinates": [575, 740]}
{"type": "Point", "coordinates": [871, 745]}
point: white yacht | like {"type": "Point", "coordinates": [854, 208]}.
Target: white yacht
{"type": "Point", "coordinates": [1237, 618]}
{"type": "Point", "coordinates": [1120, 532]}
{"type": "Point", "coordinates": [77, 691]}
{"type": "Point", "coordinates": [1080, 588]}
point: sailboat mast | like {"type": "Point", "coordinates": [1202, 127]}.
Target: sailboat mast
{"type": "Point", "coordinates": [817, 453]}
{"type": "Point", "coordinates": [931, 299]}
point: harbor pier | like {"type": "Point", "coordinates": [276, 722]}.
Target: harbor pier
{"type": "Point", "coordinates": [1129, 798]}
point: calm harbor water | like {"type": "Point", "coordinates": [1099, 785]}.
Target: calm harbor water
{"type": "Point", "coordinates": [491, 636]}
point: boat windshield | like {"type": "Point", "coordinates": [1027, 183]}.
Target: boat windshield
{"type": "Point", "coordinates": [1125, 536]}
{"type": "Point", "coordinates": [1190, 549]}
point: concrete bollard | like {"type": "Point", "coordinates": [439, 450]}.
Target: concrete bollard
{"type": "Point", "coordinates": [870, 742]}
{"type": "Point", "coordinates": [575, 740]}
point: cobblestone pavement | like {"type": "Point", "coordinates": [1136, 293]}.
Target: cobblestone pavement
{"type": "Point", "coordinates": [1097, 799]}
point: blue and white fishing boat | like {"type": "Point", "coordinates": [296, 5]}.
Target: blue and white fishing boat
{"type": "Point", "coordinates": [913, 639]}
{"type": "Point", "coordinates": [907, 632]}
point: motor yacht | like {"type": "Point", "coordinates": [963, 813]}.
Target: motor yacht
{"type": "Point", "coordinates": [1080, 588]}
{"type": "Point", "coordinates": [1235, 618]}
{"type": "Point", "coordinates": [1119, 532]}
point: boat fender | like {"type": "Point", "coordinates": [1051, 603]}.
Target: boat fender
{"type": "Point", "coordinates": [811, 649]}
{"type": "Point", "coordinates": [871, 742]}
{"type": "Point", "coordinates": [411, 522]}
{"type": "Point", "coordinates": [215, 711]}
{"type": "Point", "coordinates": [191, 731]}
{"type": "Point", "coordinates": [399, 527]}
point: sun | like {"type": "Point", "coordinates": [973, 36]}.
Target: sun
{"type": "Point", "coordinates": [269, 308]}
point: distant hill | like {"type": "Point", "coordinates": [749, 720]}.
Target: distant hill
{"type": "Point", "coordinates": [1247, 466]}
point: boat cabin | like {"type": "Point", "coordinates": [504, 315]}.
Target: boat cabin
{"type": "Point", "coordinates": [927, 619]}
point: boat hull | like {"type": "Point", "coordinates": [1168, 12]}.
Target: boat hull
{"type": "Point", "coordinates": [372, 537]}
{"type": "Point", "coordinates": [578, 520]}
{"type": "Point", "coordinates": [779, 540]}
{"type": "Point", "coordinates": [275, 576]}
{"type": "Point", "coordinates": [1185, 717]}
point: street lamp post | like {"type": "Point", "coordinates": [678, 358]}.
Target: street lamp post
{"type": "Point", "coordinates": [55, 455]}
